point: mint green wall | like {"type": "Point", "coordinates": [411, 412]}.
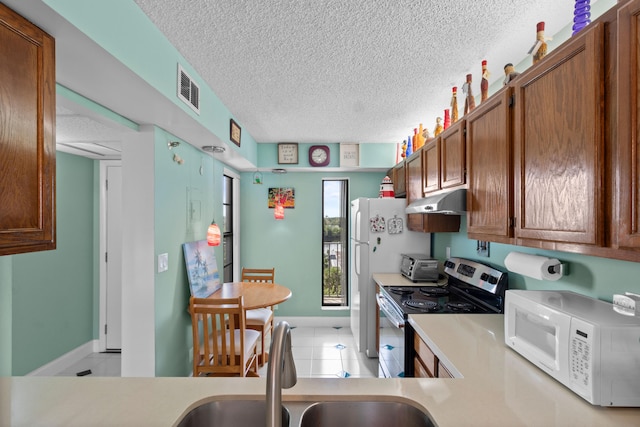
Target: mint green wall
{"type": "Point", "coordinates": [174, 183]}
{"type": "Point", "coordinates": [5, 315]}
{"type": "Point", "coordinates": [139, 45]}
{"type": "Point", "coordinates": [596, 277]}
{"type": "Point", "coordinates": [293, 245]}
{"type": "Point", "coordinates": [53, 291]}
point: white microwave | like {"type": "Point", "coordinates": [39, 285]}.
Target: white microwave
{"type": "Point", "coordinates": [580, 341]}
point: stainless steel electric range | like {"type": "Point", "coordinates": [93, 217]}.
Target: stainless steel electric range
{"type": "Point", "coordinates": [470, 288]}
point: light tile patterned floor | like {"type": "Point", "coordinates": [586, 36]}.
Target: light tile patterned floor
{"type": "Point", "coordinates": [318, 352]}
{"type": "Point", "coordinates": [328, 353]}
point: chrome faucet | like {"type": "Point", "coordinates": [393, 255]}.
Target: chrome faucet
{"type": "Point", "coordinates": [281, 372]}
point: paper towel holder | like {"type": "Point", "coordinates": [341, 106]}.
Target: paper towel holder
{"type": "Point", "coordinates": [536, 266]}
{"type": "Point", "coordinates": [561, 268]}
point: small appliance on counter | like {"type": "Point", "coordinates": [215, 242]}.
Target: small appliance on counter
{"type": "Point", "coordinates": [419, 268]}
{"type": "Point", "coordinates": [580, 341]}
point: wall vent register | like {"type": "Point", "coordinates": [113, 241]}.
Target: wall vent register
{"type": "Point", "coordinates": [188, 90]}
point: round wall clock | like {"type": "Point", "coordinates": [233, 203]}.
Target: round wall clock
{"type": "Point", "coordinates": [319, 155]}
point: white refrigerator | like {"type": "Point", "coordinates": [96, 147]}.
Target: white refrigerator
{"type": "Point", "coordinates": [378, 237]}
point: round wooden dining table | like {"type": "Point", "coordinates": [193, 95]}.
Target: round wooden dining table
{"type": "Point", "coordinates": [255, 294]}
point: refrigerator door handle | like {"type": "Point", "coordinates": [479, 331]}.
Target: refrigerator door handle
{"type": "Point", "coordinates": [357, 250]}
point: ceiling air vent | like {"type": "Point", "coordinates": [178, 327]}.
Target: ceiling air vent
{"type": "Point", "coordinates": [188, 90]}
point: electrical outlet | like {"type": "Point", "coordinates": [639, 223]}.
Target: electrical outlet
{"type": "Point", "coordinates": [163, 262]}
{"type": "Point", "coordinates": [448, 252]}
{"type": "Point", "coordinates": [482, 248]}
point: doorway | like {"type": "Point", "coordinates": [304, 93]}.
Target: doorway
{"type": "Point", "coordinates": [231, 221]}
{"type": "Point", "coordinates": [110, 326]}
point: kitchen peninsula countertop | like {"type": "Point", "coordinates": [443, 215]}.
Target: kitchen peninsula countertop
{"type": "Point", "coordinates": [499, 388]}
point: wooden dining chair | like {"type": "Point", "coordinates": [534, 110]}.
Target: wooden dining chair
{"type": "Point", "coordinates": [260, 319]}
{"type": "Point", "coordinates": [222, 345]}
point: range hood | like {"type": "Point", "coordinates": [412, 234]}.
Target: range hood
{"type": "Point", "coordinates": [451, 203]}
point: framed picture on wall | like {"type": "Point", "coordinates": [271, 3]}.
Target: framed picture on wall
{"type": "Point", "coordinates": [288, 153]}
{"type": "Point", "coordinates": [284, 195]}
{"type": "Point", "coordinates": [234, 132]}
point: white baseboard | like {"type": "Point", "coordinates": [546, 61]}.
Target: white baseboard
{"type": "Point", "coordinates": [323, 322]}
{"type": "Point", "coordinates": [63, 362]}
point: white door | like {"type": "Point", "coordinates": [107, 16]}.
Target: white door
{"type": "Point", "coordinates": [112, 325]}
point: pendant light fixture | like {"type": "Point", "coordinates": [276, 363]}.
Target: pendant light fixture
{"type": "Point", "coordinates": [213, 232]}
{"type": "Point", "coordinates": [278, 213]}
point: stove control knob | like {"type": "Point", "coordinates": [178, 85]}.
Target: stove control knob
{"type": "Point", "coordinates": [493, 280]}
{"type": "Point", "coordinates": [484, 277]}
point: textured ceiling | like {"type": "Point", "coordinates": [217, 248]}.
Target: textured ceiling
{"type": "Point", "coordinates": [347, 71]}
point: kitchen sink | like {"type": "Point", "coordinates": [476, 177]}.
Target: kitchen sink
{"type": "Point", "coordinates": [364, 413]}
{"type": "Point", "coordinates": [230, 413]}
{"type": "Point", "coordinates": [250, 413]}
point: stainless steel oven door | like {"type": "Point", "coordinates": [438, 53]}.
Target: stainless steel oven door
{"type": "Point", "coordinates": [391, 339]}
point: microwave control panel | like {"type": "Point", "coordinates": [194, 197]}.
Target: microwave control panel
{"type": "Point", "coordinates": [581, 357]}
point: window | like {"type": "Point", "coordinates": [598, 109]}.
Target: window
{"type": "Point", "coordinates": [335, 208]}
{"type": "Point", "coordinates": [227, 228]}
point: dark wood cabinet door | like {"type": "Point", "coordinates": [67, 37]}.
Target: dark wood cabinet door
{"type": "Point", "coordinates": [452, 156]}
{"type": "Point", "coordinates": [414, 188]}
{"type": "Point", "coordinates": [399, 180]}
{"type": "Point", "coordinates": [558, 144]}
{"type": "Point", "coordinates": [431, 166]}
{"type": "Point", "coordinates": [490, 166]}
{"type": "Point", "coordinates": [27, 136]}
{"type": "Point", "coordinates": [628, 155]}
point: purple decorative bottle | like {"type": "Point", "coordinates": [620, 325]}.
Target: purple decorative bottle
{"type": "Point", "coordinates": [581, 15]}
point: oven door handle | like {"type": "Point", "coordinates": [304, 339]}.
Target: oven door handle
{"type": "Point", "coordinates": [394, 318]}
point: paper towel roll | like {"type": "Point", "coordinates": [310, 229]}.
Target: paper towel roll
{"type": "Point", "coordinates": [537, 267]}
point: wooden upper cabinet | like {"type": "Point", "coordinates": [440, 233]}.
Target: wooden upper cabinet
{"type": "Point", "coordinates": [627, 189]}
{"type": "Point", "coordinates": [431, 166]}
{"type": "Point", "coordinates": [428, 223]}
{"type": "Point", "coordinates": [490, 170]}
{"type": "Point", "coordinates": [452, 156]}
{"type": "Point", "coordinates": [558, 144]}
{"type": "Point", "coordinates": [27, 136]}
{"type": "Point", "coordinates": [443, 160]}
{"type": "Point", "coordinates": [413, 167]}
{"type": "Point", "coordinates": [398, 175]}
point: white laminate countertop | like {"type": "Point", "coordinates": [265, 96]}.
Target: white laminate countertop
{"type": "Point", "coordinates": [499, 388]}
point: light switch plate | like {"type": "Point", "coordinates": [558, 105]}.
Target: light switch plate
{"type": "Point", "coordinates": [163, 262]}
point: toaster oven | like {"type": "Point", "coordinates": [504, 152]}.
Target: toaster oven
{"type": "Point", "coordinates": [419, 268]}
